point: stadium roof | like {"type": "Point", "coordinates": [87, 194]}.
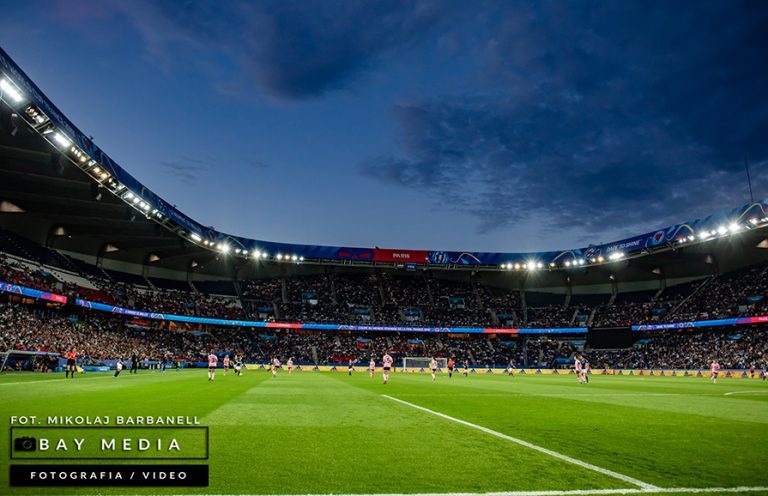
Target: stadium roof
{"type": "Point", "coordinates": [78, 199]}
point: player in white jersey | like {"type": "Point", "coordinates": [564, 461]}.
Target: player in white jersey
{"type": "Point", "coordinates": [511, 368]}
{"type": "Point", "coordinates": [213, 360]}
{"type": "Point", "coordinates": [585, 369]}
{"type": "Point", "coordinates": [577, 368]}
{"type": "Point", "coordinates": [275, 366]}
{"type": "Point", "coordinates": [372, 368]}
{"type": "Point", "coordinates": [289, 364]}
{"type": "Point", "coordinates": [386, 366]}
{"type": "Point", "coordinates": [226, 364]}
{"type": "Point", "coordinates": [433, 368]}
{"type": "Point", "coordinates": [238, 366]}
{"type": "Point", "coordinates": [714, 370]}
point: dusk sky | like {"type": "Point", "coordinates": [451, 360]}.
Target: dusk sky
{"type": "Point", "coordinates": [479, 125]}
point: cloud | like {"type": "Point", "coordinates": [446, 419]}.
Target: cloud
{"type": "Point", "coordinates": [601, 116]}
{"type": "Point", "coordinates": [289, 50]}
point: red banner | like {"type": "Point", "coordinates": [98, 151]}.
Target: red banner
{"type": "Point", "coordinates": [402, 256]}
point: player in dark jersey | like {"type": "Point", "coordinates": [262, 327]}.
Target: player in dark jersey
{"type": "Point", "coordinates": [134, 363]}
{"type": "Point", "coordinates": [451, 365]}
{"type": "Point", "coordinates": [466, 368]}
{"type": "Point", "coordinates": [71, 367]}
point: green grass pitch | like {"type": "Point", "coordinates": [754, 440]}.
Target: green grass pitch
{"type": "Point", "coordinates": [327, 433]}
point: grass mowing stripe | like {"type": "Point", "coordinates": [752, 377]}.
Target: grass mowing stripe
{"type": "Point", "coordinates": [555, 454]}
{"type": "Point", "coordinates": [577, 492]}
{"type": "Point", "coordinates": [52, 380]}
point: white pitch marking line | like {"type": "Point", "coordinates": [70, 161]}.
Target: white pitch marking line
{"type": "Point", "coordinates": [555, 454]}
{"type": "Point", "coordinates": [578, 492]}
{"type": "Point", "coordinates": [745, 392]}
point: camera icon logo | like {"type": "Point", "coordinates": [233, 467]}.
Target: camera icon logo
{"type": "Point", "coordinates": [25, 443]}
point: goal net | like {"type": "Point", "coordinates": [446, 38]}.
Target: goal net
{"type": "Point", "coordinates": [423, 363]}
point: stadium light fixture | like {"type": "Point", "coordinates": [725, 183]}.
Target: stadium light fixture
{"type": "Point", "coordinates": [224, 248]}
{"type": "Point", "coordinates": [62, 140]}
{"type": "Point", "coordinates": [753, 221]}
{"type": "Point", "coordinates": [301, 259]}
{"type": "Point", "coordinates": [552, 264]}
{"type": "Point", "coordinates": [722, 230]}
{"type": "Point", "coordinates": [279, 256]}
{"type": "Point", "coordinates": [734, 227]}
{"type": "Point", "coordinates": [525, 265]}
{"type": "Point", "coordinates": [256, 254]}
{"type": "Point", "coordinates": [195, 237]}
{"type": "Point", "coordinates": [295, 258]}
{"type": "Point", "coordinates": [581, 261]}
{"type": "Point", "coordinates": [517, 266]}
{"type": "Point", "coordinates": [567, 263]}
{"type": "Point", "coordinates": [691, 238]}
{"type": "Point", "coordinates": [8, 89]}
{"type": "Point", "coordinates": [600, 259]}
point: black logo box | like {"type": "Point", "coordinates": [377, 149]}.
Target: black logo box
{"type": "Point", "coordinates": [207, 440]}
{"type": "Point", "coordinates": [130, 476]}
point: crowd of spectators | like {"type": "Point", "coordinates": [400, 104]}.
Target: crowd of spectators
{"type": "Point", "coordinates": [97, 338]}
{"type": "Point", "coordinates": [417, 299]}
{"type": "Point", "coordinates": [690, 350]}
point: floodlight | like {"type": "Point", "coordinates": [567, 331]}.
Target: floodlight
{"type": "Point", "coordinates": [61, 139]}
{"type": "Point", "coordinates": [9, 90]}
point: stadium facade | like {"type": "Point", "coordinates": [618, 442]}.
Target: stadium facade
{"type": "Point", "coordinates": [62, 192]}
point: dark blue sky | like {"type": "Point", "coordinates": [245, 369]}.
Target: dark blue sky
{"type": "Point", "coordinates": [503, 126]}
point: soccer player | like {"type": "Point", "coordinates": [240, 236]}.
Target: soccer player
{"type": "Point", "coordinates": [451, 365]}
{"type": "Point", "coordinates": [387, 365]}
{"type": "Point", "coordinates": [466, 368]}
{"type": "Point", "coordinates": [213, 360]}
{"type": "Point", "coordinates": [752, 371]}
{"type": "Point", "coordinates": [289, 363]}
{"type": "Point", "coordinates": [714, 370]}
{"type": "Point", "coordinates": [511, 368]}
{"type": "Point", "coordinates": [71, 364]}
{"type": "Point", "coordinates": [351, 366]}
{"type": "Point", "coordinates": [372, 367]}
{"type": "Point", "coordinates": [238, 366]}
{"type": "Point", "coordinates": [118, 366]}
{"type": "Point", "coordinates": [275, 366]}
{"type": "Point", "coordinates": [577, 368]}
{"type": "Point", "coordinates": [433, 367]}
{"type": "Point", "coordinates": [226, 364]}
{"type": "Point", "coordinates": [586, 370]}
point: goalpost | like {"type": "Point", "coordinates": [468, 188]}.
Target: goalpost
{"type": "Point", "coordinates": [423, 363]}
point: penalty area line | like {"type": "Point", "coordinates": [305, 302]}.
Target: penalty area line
{"type": "Point", "coordinates": [554, 454]}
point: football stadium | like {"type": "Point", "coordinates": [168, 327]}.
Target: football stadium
{"type": "Point", "coordinates": [144, 352]}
